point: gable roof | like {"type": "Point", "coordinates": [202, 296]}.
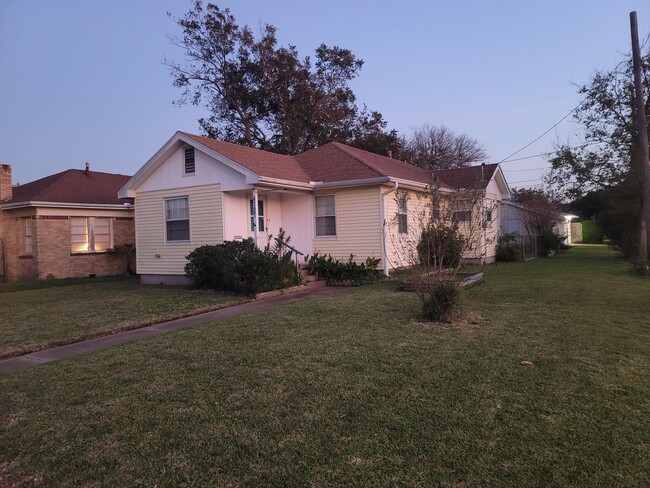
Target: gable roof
{"type": "Point", "coordinates": [330, 165]}
{"type": "Point", "coordinates": [469, 177]}
{"type": "Point", "coordinates": [72, 186]}
{"type": "Point", "coordinates": [331, 162]}
{"type": "Point", "coordinates": [262, 163]}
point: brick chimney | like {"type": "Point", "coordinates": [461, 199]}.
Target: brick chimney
{"type": "Point", "coordinates": [6, 192]}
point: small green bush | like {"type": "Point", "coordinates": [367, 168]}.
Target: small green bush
{"type": "Point", "coordinates": [328, 268]}
{"type": "Point", "coordinates": [442, 302]}
{"type": "Point", "coordinates": [591, 233]}
{"type": "Point", "coordinates": [508, 248]}
{"type": "Point", "coordinates": [441, 247]}
{"type": "Point", "coordinates": [240, 267]}
{"type": "Point", "coordinates": [551, 241]}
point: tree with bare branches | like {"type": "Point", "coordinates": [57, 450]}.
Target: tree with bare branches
{"type": "Point", "coordinates": [437, 147]}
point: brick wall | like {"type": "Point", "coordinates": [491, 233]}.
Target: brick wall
{"type": "Point", "coordinates": [15, 266]}
{"type": "Point", "coordinates": [52, 257]}
{"type": "Point", "coordinates": [5, 182]}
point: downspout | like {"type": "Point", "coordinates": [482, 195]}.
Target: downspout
{"type": "Point", "coordinates": [382, 213]}
{"type": "Point", "coordinates": [256, 219]}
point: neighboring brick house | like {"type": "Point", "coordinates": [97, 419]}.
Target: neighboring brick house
{"type": "Point", "coordinates": [61, 226]}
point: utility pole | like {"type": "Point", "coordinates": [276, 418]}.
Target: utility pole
{"type": "Point", "coordinates": [642, 129]}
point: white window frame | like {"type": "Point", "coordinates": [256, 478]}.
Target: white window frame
{"type": "Point", "coordinates": [165, 220]}
{"type": "Point", "coordinates": [259, 217]}
{"type": "Point", "coordinates": [402, 210]}
{"type": "Point", "coordinates": [89, 224]}
{"type": "Point", "coordinates": [316, 217]}
{"type": "Point", "coordinates": [28, 250]}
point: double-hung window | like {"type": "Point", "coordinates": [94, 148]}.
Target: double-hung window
{"type": "Point", "coordinates": [27, 237]}
{"type": "Point", "coordinates": [325, 216]}
{"type": "Point", "coordinates": [90, 234]}
{"type": "Point", "coordinates": [177, 219]}
{"type": "Point", "coordinates": [462, 211]}
{"type": "Point", "coordinates": [260, 214]}
{"type": "Point", "coordinates": [402, 213]}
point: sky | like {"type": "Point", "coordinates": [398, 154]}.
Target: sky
{"type": "Point", "coordinates": [84, 80]}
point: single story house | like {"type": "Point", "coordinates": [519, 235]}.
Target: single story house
{"type": "Point", "coordinates": [61, 226]}
{"type": "Point", "coordinates": [334, 199]}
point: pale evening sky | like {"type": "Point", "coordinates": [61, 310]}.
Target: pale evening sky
{"type": "Point", "coordinates": [83, 80]}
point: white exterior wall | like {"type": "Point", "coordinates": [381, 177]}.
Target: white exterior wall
{"type": "Point", "coordinates": [208, 171]}
{"type": "Point", "coordinates": [298, 220]}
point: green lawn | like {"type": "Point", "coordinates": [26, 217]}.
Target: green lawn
{"type": "Point", "coordinates": [348, 390]}
{"type": "Point", "coordinates": [34, 316]}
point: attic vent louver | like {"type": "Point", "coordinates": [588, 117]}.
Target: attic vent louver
{"type": "Point", "coordinates": [190, 167]}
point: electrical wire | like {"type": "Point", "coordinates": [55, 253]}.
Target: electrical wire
{"type": "Point", "coordinates": [543, 134]}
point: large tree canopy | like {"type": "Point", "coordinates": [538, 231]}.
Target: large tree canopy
{"type": "Point", "coordinates": [605, 156]}
{"type": "Point", "coordinates": [266, 96]}
{"type": "Point", "coordinates": [603, 169]}
{"type": "Point", "coordinates": [438, 147]}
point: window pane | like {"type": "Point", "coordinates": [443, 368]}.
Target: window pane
{"type": "Point", "coordinates": [402, 224]}
{"type": "Point", "coordinates": [79, 235]}
{"type": "Point", "coordinates": [177, 213]}
{"type": "Point", "coordinates": [101, 237]}
{"type": "Point", "coordinates": [178, 230]}
{"type": "Point", "coordinates": [260, 214]}
{"type": "Point", "coordinates": [325, 226]}
{"type": "Point", "coordinates": [325, 206]}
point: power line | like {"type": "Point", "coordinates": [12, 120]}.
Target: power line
{"type": "Point", "coordinates": [524, 181]}
{"type": "Point", "coordinates": [543, 134]}
{"type": "Point", "coordinates": [525, 104]}
{"type": "Point", "coordinates": [532, 169]}
{"type": "Point", "coordinates": [548, 153]}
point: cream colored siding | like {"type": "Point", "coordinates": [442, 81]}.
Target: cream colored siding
{"type": "Point", "coordinates": [401, 248]}
{"type": "Point", "coordinates": [358, 226]}
{"type": "Point", "coordinates": [206, 227]}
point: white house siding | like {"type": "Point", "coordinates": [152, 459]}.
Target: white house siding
{"type": "Point", "coordinates": [298, 219]}
{"type": "Point", "coordinates": [170, 174]}
{"type": "Point", "coordinates": [358, 225]}
{"type": "Point", "coordinates": [154, 255]}
{"type": "Point", "coordinates": [402, 248]}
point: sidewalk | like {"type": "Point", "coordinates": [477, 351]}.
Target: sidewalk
{"type": "Point", "coordinates": [19, 363]}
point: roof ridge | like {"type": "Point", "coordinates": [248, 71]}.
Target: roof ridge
{"type": "Point", "coordinates": [343, 148]}
{"type": "Point", "coordinates": [288, 156]}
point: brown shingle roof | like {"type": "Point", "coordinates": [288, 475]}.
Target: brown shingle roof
{"type": "Point", "coordinates": [468, 178]}
{"type": "Point", "coordinates": [328, 163]}
{"type": "Point", "coordinates": [262, 163]}
{"type": "Point", "coordinates": [73, 186]}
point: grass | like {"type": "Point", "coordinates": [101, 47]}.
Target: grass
{"type": "Point", "coordinates": [349, 389]}
{"type": "Point", "coordinates": [44, 314]}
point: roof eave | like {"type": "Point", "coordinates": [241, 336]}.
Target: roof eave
{"type": "Point", "coordinates": [93, 206]}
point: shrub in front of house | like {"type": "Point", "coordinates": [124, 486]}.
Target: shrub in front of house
{"type": "Point", "coordinates": [442, 302]}
{"type": "Point", "coordinates": [552, 242]}
{"type": "Point", "coordinates": [325, 267]}
{"type": "Point", "coordinates": [240, 267]}
{"type": "Point", "coordinates": [441, 247]}
{"type": "Point", "coordinates": [508, 248]}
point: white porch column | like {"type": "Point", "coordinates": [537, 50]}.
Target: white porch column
{"type": "Point", "coordinates": [256, 219]}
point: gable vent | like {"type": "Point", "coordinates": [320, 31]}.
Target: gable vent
{"type": "Point", "coordinates": [190, 167]}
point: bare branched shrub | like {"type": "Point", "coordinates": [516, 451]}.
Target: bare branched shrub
{"type": "Point", "coordinates": [433, 236]}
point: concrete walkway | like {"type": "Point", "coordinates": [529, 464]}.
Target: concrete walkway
{"type": "Point", "coordinates": [20, 363]}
